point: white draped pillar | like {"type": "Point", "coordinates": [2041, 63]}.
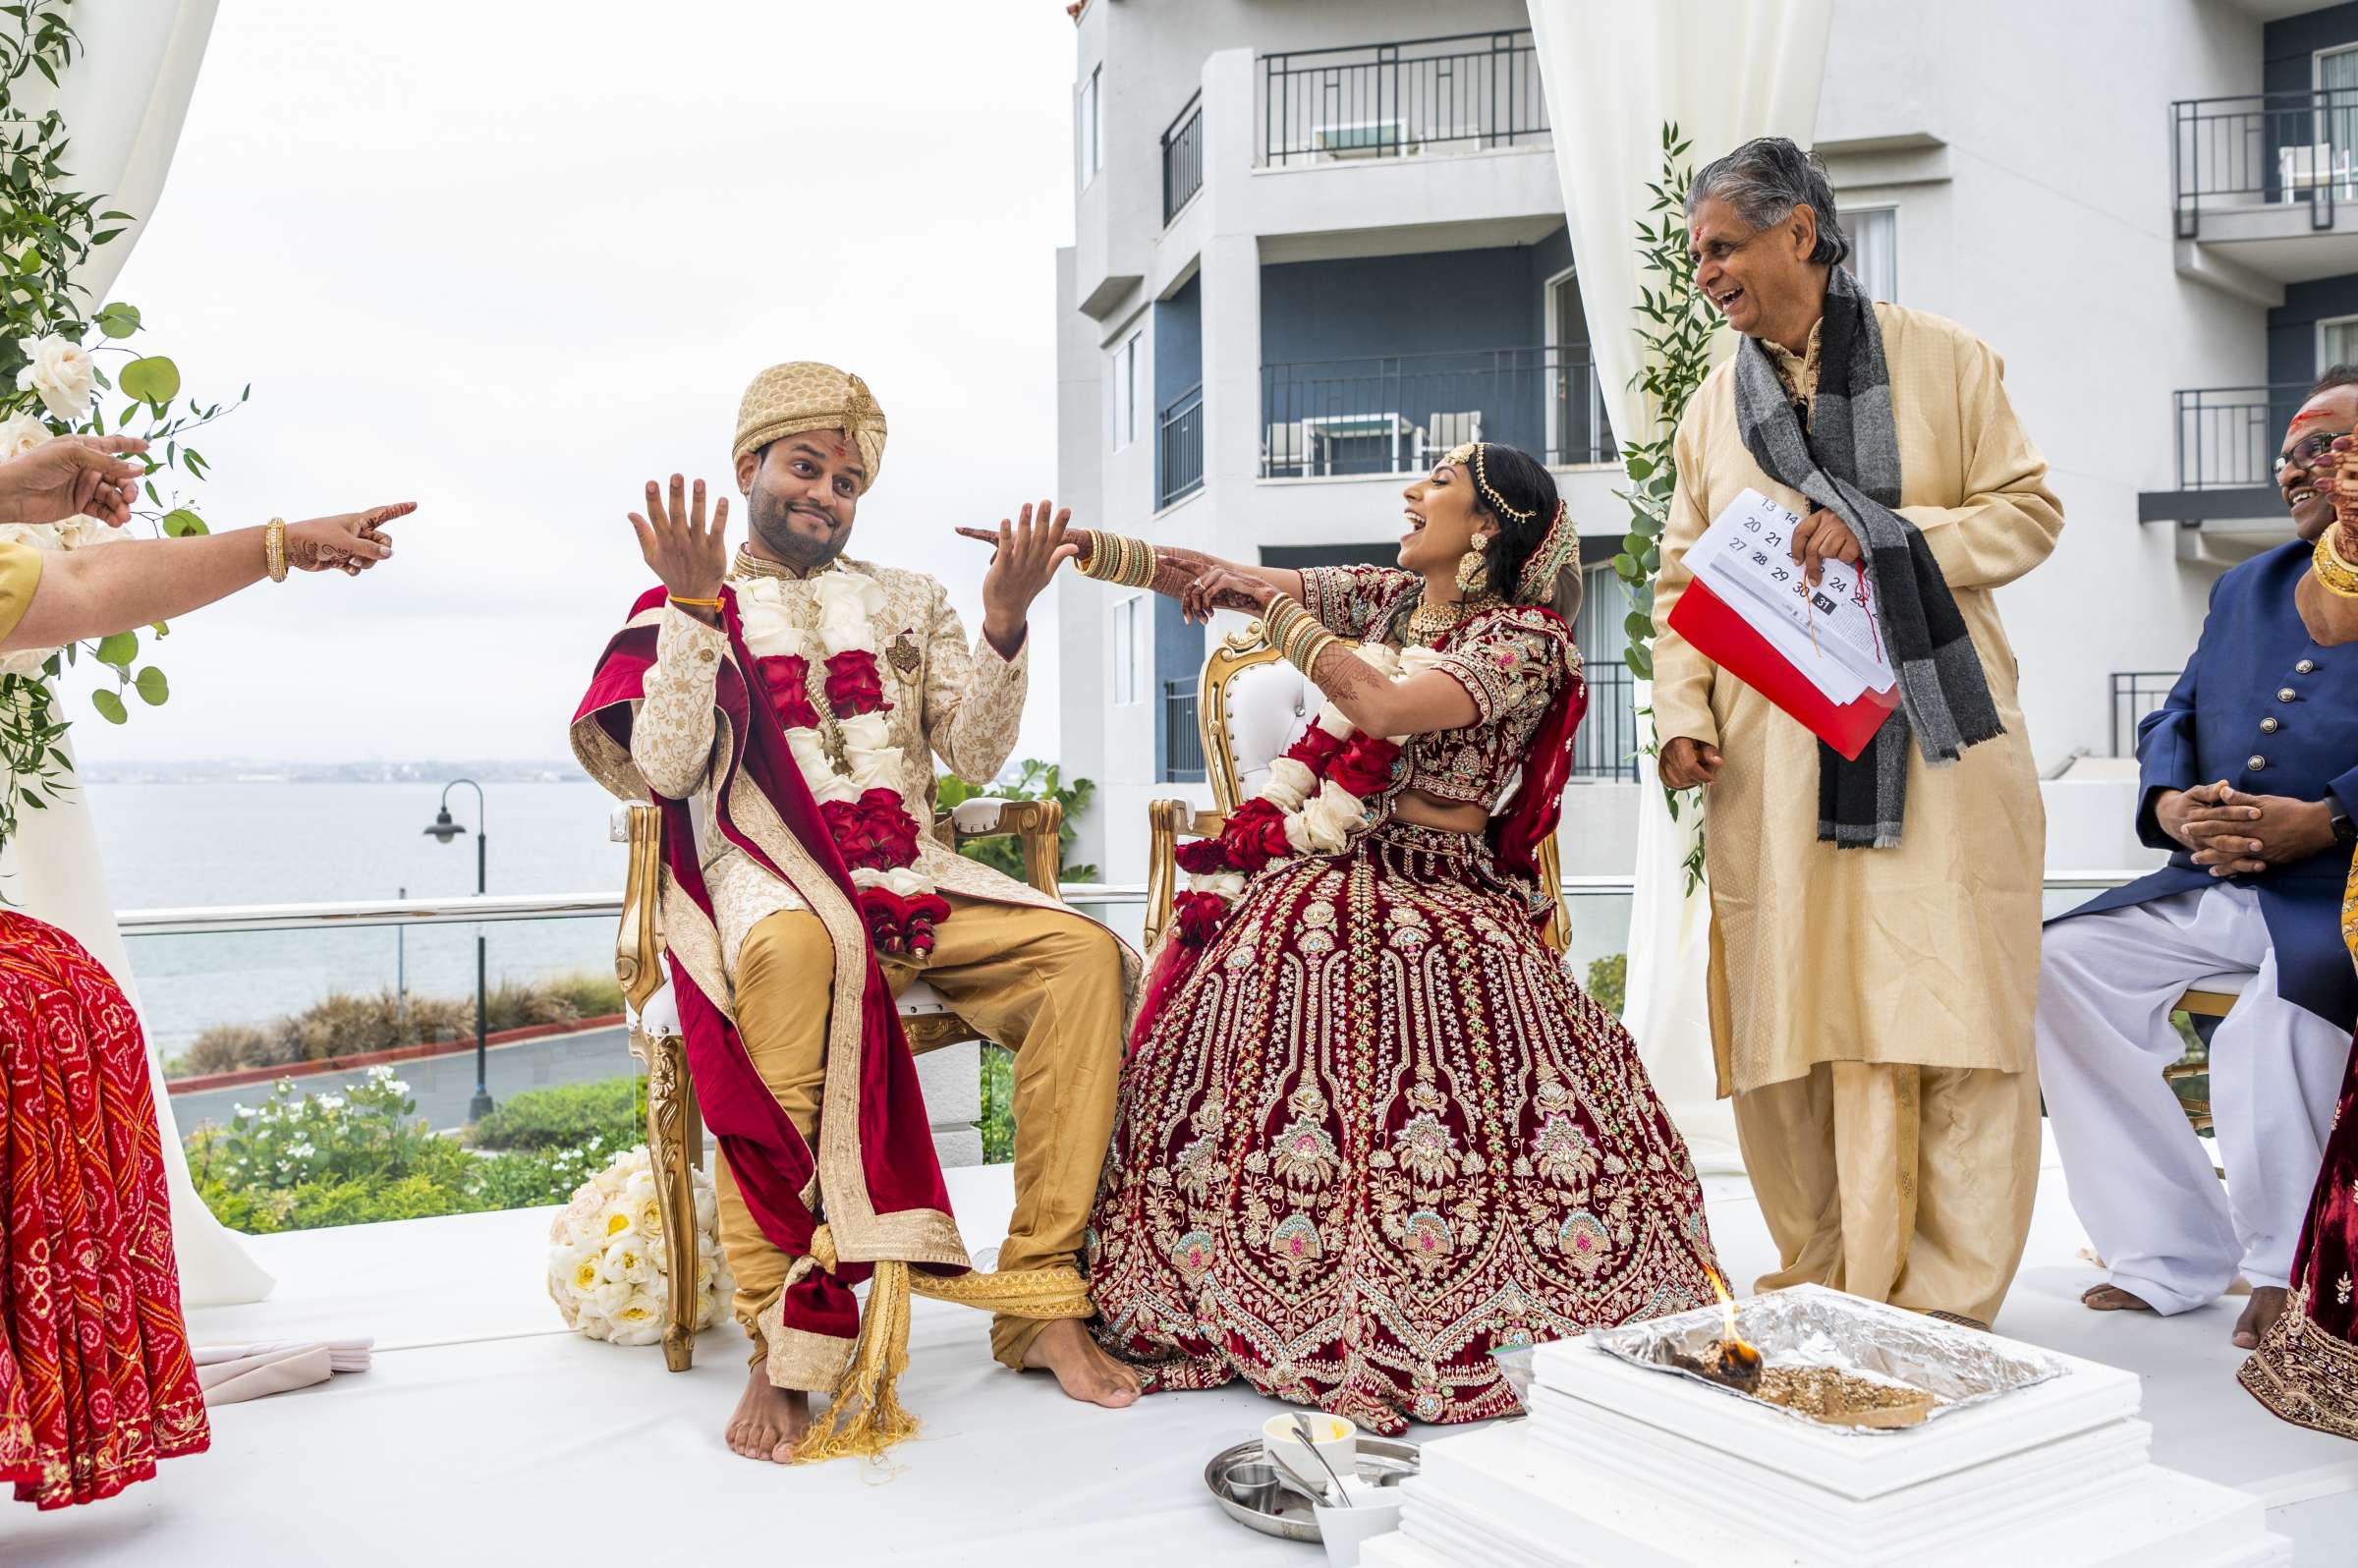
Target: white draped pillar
{"type": "Point", "coordinates": [1614, 73]}
{"type": "Point", "coordinates": [123, 100]}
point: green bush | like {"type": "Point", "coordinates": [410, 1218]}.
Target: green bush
{"type": "Point", "coordinates": [567, 1115]}
{"type": "Point", "coordinates": [1036, 781]}
{"type": "Point", "coordinates": [997, 1125]}
{"type": "Point", "coordinates": [1608, 981]}
{"type": "Point", "coordinates": [299, 1163]}
{"type": "Point", "coordinates": [348, 1025]}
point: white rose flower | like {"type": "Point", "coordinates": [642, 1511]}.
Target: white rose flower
{"type": "Point", "coordinates": [810, 753]}
{"type": "Point", "coordinates": [61, 372]}
{"type": "Point", "coordinates": [902, 881]}
{"type": "Point", "coordinates": [866, 732]}
{"type": "Point", "coordinates": [831, 787]}
{"type": "Point", "coordinates": [875, 768]}
{"type": "Point", "coordinates": [1290, 784]}
{"type": "Point", "coordinates": [847, 636]}
{"type": "Point", "coordinates": [1417, 661]}
{"type": "Point", "coordinates": [1228, 885]}
{"type": "Point", "coordinates": [627, 1258]}
{"type": "Point", "coordinates": [20, 433]}
{"type": "Point", "coordinates": [770, 630]}
{"type": "Point", "coordinates": [1331, 720]}
{"type": "Point", "coordinates": [1330, 818]}
{"type": "Point", "coordinates": [639, 1320]}
{"type": "Point", "coordinates": [848, 596]}
{"type": "Point", "coordinates": [1387, 660]}
{"type": "Point", "coordinates": [1297, 835]}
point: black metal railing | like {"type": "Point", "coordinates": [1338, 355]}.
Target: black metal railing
{"type": "Point", "coordinates": [1605, 746]}
{"type": "Point", "coordinates": [1182, 739]}
{"type": "Point", "coordinates": [1397, 413]}
{"type": "Point", "coordinates": [1179, 460]}
{"type": "Point", "coordinates": [2135, 694]}
{"type": "Point", "coordinates": [1183, 158]}
{"type": "Point", "coordinates": [2264, 148]}
{"type": "Point", "coordinates": [2228, 437]}
{"type": "Point", "coordinates": [1463, 94]}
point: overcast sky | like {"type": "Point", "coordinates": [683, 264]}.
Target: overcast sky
{"type": "Point", "coordinates": [511, 261]}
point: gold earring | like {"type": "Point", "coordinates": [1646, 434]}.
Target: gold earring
{"type": "Point", "coordinates": [1473, 571]}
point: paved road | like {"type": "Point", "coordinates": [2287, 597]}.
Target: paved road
{"type": "Point", "coordinates": [442, 1086]}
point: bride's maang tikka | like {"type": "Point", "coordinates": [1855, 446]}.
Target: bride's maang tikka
{"type": "Point", "coordinates": [1557, 548]}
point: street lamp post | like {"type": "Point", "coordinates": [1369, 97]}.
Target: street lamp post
{"type": "Point", "coordinates": [442, 830]}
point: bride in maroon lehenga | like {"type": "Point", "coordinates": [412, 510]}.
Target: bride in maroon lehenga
{"type": "Point", "coordinates": [97, 1383]}
{"type": "Point", "coordinates": [1370, 1130]}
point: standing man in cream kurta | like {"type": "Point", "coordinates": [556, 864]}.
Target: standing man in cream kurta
{"type": "Point", "coordinates": [1874, 929]}
{"type": "Point", "coordinates": [1036, 977]}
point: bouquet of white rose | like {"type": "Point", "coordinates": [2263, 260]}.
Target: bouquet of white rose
{"type": "Point", "coordinates": [608, 1271]}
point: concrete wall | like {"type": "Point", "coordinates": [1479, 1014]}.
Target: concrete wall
{"type": "Point", "coordinates": [2290, 46]}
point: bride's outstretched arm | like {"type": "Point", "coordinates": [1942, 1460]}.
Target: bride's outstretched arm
{"type": "Point", "coordinates": [1176, 572]}
{"type": "Point", "coordinates": [1419, 705]}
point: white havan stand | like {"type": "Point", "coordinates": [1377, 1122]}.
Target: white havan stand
{"type": "Point", "coordinates": [1621, 1465]}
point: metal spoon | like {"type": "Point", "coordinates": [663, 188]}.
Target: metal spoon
{"type": "Point", "coordinates": [1310, 1441]}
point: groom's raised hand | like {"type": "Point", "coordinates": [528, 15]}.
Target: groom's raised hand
{"type": "Point", "coordinates": [1030, 549]}
{"type": "Point", "coordinates": [689, 556]}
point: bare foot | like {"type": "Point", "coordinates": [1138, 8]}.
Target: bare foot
{"type": "Point", "coordinates": [1085, 1372]}
{"type": "Point", "coordinates": [2113, 1299]}
{"type": "Point", "coordinates": [2260, 1315]}
{"type": "Point", "coordinates": [770, 1421]}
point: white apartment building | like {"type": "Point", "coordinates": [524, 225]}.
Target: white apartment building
{"type": "Point", "coordinates": [1314, 243]}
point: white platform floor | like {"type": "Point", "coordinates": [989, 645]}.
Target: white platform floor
{"type": "Point", "coordinates": [487, 1435]}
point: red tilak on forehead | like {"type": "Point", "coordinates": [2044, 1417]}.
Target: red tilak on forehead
{"type": "Point", "coordinates": [2300, 420]}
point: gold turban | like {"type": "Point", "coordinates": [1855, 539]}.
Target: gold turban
{"type": "Point", "coordinates": [806, 395]}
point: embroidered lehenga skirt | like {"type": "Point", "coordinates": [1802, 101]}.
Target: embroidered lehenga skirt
{"type": "Point", "coordinates": [2306, 1368]}
{"type": "Point", "coordinates": [1377, 1133]}
{"type": "Point", "coordinates": [95, 1379]}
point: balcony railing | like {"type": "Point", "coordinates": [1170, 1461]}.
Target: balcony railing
{"type": "Point", "coordinates": [1182, 739]}
{"type": "Point", "coordinates": [1605, 746]}
{"type": "Point", "coordinates": [2228, 437]}
{"type": "Point", "coordinates": [1179, 466]}
{"type": "Point", "coordinates": [2264, 148]}
{"type": "Point", "coordinates": [2135, 694]}
{"type": "Point", "coordinates": [1398, 413]}
{"type": "Point", "coordinates": [1463, 94]}
{"type": "Point", "coordinates": [1183, 158]}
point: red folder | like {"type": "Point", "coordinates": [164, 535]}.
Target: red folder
{"type": "Point", "coordinates": [1729, 640]}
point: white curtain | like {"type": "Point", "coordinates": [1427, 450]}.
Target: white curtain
{"type": "Point", "coordinates": [1614, 72]}
{"type": "Point", "coordinates": [122, 101]}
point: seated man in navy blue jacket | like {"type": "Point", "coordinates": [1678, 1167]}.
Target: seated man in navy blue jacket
{"type": "Point", "coordinates": [2249, 772]}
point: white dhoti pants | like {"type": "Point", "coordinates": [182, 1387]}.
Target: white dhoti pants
{"type": "Point", "coordinates": [2140, 1178]}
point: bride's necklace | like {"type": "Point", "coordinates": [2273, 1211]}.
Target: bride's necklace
{"type": "Point", "coordinates": [1429, 620]}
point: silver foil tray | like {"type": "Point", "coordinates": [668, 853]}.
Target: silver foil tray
{"type": "Point", "coordinates": [1382, 1460]}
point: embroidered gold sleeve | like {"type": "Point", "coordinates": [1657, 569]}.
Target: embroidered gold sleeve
{"type": "Point", "coordinates": [973, 697]}
{"type": "Point", "coordinates": [671, 734]}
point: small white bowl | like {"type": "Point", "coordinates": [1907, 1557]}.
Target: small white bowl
{"type": "Point", "coordinates": [1374, 1511]}
{"type": "Point", "coordinates": [1338, 1445]}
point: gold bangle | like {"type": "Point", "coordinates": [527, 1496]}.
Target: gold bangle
{"type": "Point", "coordinates": [1120, 560]}
{"type": "Point", "coordinates": [701, 604]}
{"type": "Point", "coordinates": [2335, 575]}
{"type": "Point", "coordinates": [274, 549]}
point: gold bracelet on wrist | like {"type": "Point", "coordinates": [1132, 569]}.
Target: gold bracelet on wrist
{"type": "Point", "coordinates": [274, 549]}
{"type": "Point", "coordinates": [2336, 575]}
{"type": "Point", "coordinates": [1118, 559]}
{"type": "Point", "coordinates": [701, 604]}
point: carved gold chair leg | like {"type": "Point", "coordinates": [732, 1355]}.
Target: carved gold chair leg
{"type": "Point", "coordinates": [675, 1140]}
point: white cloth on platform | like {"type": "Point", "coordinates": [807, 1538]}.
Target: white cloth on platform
{"type": "Point", "coordinates": [2140, 1178]}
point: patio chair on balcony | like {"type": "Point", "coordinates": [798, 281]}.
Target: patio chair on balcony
{"type": "Point", "coordinates": [1285, 450]}
{"type": "Point", "coordinates": [1250, 705]}
{"type": "Point", "coordinates": [675, 1130]}
{"type": "Point", "coordinates": [1445, 433]}
{"type": "Point", "coordinates": [2319, 166]}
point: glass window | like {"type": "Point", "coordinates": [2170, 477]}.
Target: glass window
{"type": "Point", "coordinates": [1130, 649]}
{"type": "Point", "coordinates": [2336, 342]}
{"type": "Point", "coordinates": [2336, 82]}
{"type": "Point", "coordinates": [1093, 122]}
{"type": "Point", "coordinates": [1125, 392]}
{"type": "Point", "coordinates": [1875, 251]}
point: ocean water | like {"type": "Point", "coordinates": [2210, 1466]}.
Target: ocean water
{"type": "Point", "coordinates": [273, 842]}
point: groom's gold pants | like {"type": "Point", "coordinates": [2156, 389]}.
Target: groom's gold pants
{"type": "Point", "coordinates": [1045, 984]}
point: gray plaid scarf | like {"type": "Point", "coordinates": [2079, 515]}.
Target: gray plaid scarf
{"type": "Point", "coordinates": [1847, 460]}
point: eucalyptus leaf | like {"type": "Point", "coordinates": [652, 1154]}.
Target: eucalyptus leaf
{"type": "Point", "coordinates": [180, 523]}
{"type": "Point", "coordinates": [110, 706]}
{"type": "Point", "coordinates": [119, 649]}
{"type": "Point", "coordinates": [154, 379]}
{"type": "Point", "coordinates": [151, 687]}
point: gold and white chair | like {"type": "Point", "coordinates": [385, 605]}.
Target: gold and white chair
{"type": "Point", "coordinates": [675, 1130]}
{"type": "Point", "coordinates": [1251, 705]}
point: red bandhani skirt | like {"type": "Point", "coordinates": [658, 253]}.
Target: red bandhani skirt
{"type": "Point", "coordinates": [1376, 1133]}
{"type": "Point", "coordinates": [2306, 1368]}
{"type": "Point", "coordinates": [95, 1379]}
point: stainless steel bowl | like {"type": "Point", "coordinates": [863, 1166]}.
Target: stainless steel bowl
{"type": "Point", "coordinates": [1284, 1513]}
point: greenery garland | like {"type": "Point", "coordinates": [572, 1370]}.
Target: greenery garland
{"type": "Point", "coordinates": [1675, 328]}
{"type": "Point", "coordinates": [51, 384]}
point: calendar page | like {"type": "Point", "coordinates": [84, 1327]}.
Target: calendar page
{"type": "Point", "coordinates": [1828, 632]}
